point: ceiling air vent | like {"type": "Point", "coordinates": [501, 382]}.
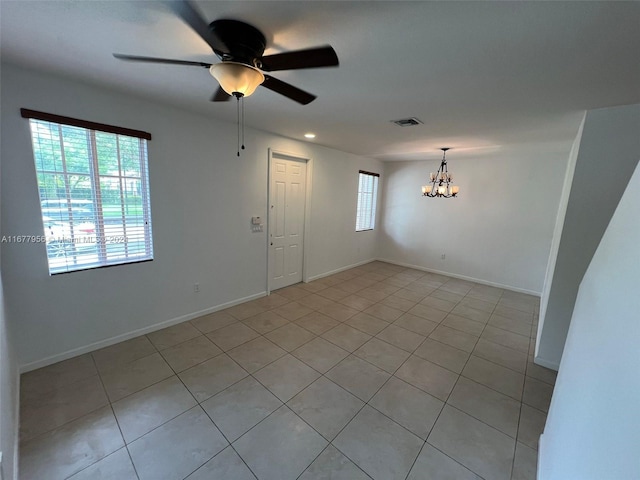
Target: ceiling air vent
{"type": "Point", "coordinates": [407, 122]}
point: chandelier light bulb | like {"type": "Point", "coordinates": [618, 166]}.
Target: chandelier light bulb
{"type": "Point", "coordinates": [440, 181]}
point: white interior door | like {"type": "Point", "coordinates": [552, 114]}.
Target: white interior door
{"type": "Point", "coordinates": [286, 220]}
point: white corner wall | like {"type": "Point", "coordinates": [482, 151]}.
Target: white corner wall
{"type": "Point", "coordinates": [202, 199]}
{"type": "Point", "coordinates": [609, 148]}
{"type": "Point", "coordinates": [498, 231]}
{"type": "Point", "coordinates": [592, 430]}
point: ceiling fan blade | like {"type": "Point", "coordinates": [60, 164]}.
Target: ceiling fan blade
{"type": "Point", "coordinates": [298, 59]}
{"type": "Point", "coordinates": [187, 12]}
{"type": "Point", "coordinates": [136, 58]}
{"type": "Point", "coordinates": [289, 91]}
{"type": "Point", "coordinates": [220, 96]}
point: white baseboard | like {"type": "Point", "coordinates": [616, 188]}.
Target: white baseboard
{"type": "Point", "coordinates": [338, 270]}
{"type": "Point", "coordinates": [128, 335]}
{"type": "Point", "coordinates": [546, 363]}
{"type": "Point", "coordinates": [540, 467]}
{"type": "Point", "coordinates": [462, 277]}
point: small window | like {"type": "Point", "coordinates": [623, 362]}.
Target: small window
{"type": "Point", "coordinates": [94, 192]}
{"type": "Point", "coordinates": [367, 196]}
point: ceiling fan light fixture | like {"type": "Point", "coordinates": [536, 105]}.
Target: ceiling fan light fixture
{"type": "Point", "coordinates": [237, 78]}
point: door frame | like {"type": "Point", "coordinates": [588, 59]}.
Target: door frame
{"type": "Point", "coordinates": [307, 209]}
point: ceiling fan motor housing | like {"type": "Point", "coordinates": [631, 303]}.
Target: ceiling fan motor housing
{"type": "Point", "coordinates": [244, 43]}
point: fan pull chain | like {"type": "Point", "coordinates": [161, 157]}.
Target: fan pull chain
{"type": "Point", "coordinates": [238, 122]}
{"type": "Point", "coordinates": [243, 122]}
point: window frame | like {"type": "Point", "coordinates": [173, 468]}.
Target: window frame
{"type": "Point", "coordinates": [96, 177]}
{"type": "Point", "coordinates": [370, 210]}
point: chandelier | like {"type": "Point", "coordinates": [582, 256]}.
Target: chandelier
{"type": "Point", "coordinates": [441, 181]}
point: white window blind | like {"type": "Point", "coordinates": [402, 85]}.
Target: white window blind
{"type": "Point", "coordinates": [94, 192]}
{"type": "Point", "coordinates": [367, 195]}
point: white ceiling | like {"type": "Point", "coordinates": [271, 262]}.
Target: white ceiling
{"type": "Point", "coordinates": [480, 75]}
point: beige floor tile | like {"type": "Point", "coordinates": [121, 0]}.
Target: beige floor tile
{"type": "Point", "coordinates": [210, 377]}
{"type": "Point", "coordinates": [274, 300]}
{"type": "Point", "coordinates": [455, 338]}
{"type": "Point", "coordinates": [240, 407]}
{"type": "Point", "coordinates": [122, 353]}
{"type": "Point", "coordinates": [367, 323]}
{"type": "Point", "coordinates": [116, 466]}
{"type": "Point", "coordinates": [463, 324]}
{"type": "Point", "coordinates": [439, 303]}
{"type": "Point", "coordinates": [143, 411]}
{"type": "Point", "coordinates": [427, 376]}
{"type": "Point", "coordinates": [170, 336]}
{"type": "Point", "coordinates": [178, 447]}
{"type": "Point", "coordinates": [265, 322]}
{"type": "Point", "coordinates": [537, 394]}
{"type": "Point", "coordinates": [495, 376]}
{"type": "Point", "coordinates": [471, 313]}
{"type": "Point", "coordinates": [358, 377]}
{"type": "Point", "coordinates": [373, 294]}
{"type": "Point", "coordinates": [331, 464]}
{"type": "Point", "coordinates": [293, 292]}
{"type": "Point", "coordinates": [333, 293]}
{"type": "Point", "coordinates": [320, 354]}
{"type": "Point", "coordinates": [505, 356]}
{"type": "Point", "coordinates": [346, 337]}
{"type": "Point", "coordinates": [357, 302]}
{"type": "Point", "coordinates": [541, 373]}
{"type": "Point", "coordinates": [493, 408]}
{"type": "Point", "coordinates": [213, 321]}
{"type": "Point", "coordinates": [258, 353]}
{"type": "Point", "coordinates": [315, 302]}
{"type": "Point", "coordinates": [432, 464]}
{"type": "Point", "coordinates": [66, 450]}
{"type": "Point", "coordinates": [449, 296]}
{"type": "Point", "coordinates": [531, 426]}
{"type": "Point", "coordinates": [384, 312]}
{"type": "Point", "coordinates": [379, 446]}
{"type": "Point", "coordinates": [325, 406]}
{"type": "Point", "coordinates": [415, 324]}
{"type": "Point", "coordinates": [134, 376]}
{"type": "Point", "coordinates": [190, 353]}
{"type": "Point", "coordinates": [456, 287]}
{"type": "Point", "coordinates": [398, 303]}
{"type": "Point", "coordinates": [225, 465]}
{"type": "Point", "coordinates": [412, 408]}
{"type": "Point", "coordinates": [479, 304]}
{"type": "Point", "coordinates": [382, 354]}
{"type": "Point", "coordinates": [232, 335]}
{"type": "Point", "coordinates": [482, 449]}
{"type": "Point", "coordinates": [409, 295]}
{"type": "Point", "coordinates": [290, 336]}
{"type": "Point", "coordinates": [292, 311]}
{"type": "Point", "coordinates": [523, 306]}
{"type": "Point", "coordinates": [401, 338]}
{"type": "Point", "coordinates": [525, 463]}
{"type": "Point", "coordinates": [420, 289]}
{"type": "Point", "coordinates": [513, 313]}
{"type": "Point", "coordinates": [314, 286]}
{"type": "Point", "coordinates": [338, 312]}
{"type": "Point", "coordinates": [441, 354]}
{"type": "Point", "coordinates": [286, 377]}
{"type": "Point", "coordinates": [430, 313]}
{"type": "Point", "coordinates": [515, 326]}
{"type": "Point", "coordinates": [57, 407]}
{"type": "Point", "coordinates": [245, 310]}
{"type": "Point", "coordinates": [281, 447]}
{"type": "Point", "coordinates": [38, 382]}
{"type": "Point", "coordinates": [317, 322]}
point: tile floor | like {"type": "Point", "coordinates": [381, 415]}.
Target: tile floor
{"type": "Point", "coordinates": [376, 372]}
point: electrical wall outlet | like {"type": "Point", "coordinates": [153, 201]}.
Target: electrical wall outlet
{"type": "Point", "coordinates": [196, 288]}
{"type": "Point", "coordinates": [443, 256]}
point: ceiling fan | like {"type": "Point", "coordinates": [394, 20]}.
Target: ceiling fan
{"type": "Point", "coordinates": [240, 48]}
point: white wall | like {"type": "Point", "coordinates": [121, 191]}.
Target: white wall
{"type": "Point", "coordinates": [202, 199]}
{"type": "Point", "coordinates": [608, 153]}
{"type": "Point", "coordinates": [498, 231]}
{"type": "Point", "coordinates": [592, 427]}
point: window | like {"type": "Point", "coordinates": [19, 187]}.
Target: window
{"type": "Point", "coordinates": [94, 192]}
{"type": "Point", "coordinates": [367, 196]}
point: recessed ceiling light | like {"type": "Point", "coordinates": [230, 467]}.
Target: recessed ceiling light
{"type": "Point", "coordinates": [309, 135]}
